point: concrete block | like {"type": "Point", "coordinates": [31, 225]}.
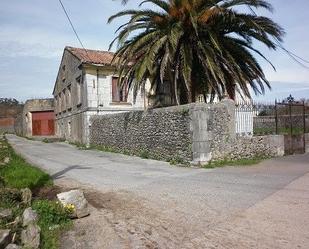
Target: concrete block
{"type": "Point", "coordinates": [201, 147]}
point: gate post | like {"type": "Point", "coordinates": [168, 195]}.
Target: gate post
{"type": "Point", "coordinates": [276, 117]}
{"type": "Point", "coordinates": [291, 125]}
{"type": "Point", "coordinates": [304, 120]}
{"type": "Point", "coordinates": [304, 116]}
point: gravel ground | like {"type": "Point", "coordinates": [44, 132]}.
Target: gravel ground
{"type": "Point", "coordinates": [140, 203]}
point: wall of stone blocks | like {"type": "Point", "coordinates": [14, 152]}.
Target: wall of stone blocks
{"type": "Point", "coordinates": [251, 147]}
{"type": "Point", "coordinates": [8, 116]}
{"type": "Point", "coordinates": [196, 133]}
{"type": "Point", "coordinates": [7, 125]}
{"type": "Point", "coordinates": [163, 134]}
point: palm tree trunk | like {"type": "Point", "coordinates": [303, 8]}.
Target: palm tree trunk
{"type": "Point", "coordinates": [231, 92]}
{"type": "Point", "coordinates": [191, 91]}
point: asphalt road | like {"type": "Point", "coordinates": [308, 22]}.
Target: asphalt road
{"type": "Point", "coordinates": [261, 206]}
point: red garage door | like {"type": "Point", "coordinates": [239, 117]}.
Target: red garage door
{"type": "Point", "coordinates": [43, 123]}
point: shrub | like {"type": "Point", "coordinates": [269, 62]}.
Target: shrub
{"type": "Point", "coordinates": [9, 197]}
{"type": "Point", "coordinates": [53, 219]}
{"type": "Point", "coordinates": [144, 154]}
{"type": "Point", "coordinates": [51, 213]}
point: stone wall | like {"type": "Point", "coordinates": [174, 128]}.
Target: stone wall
{"type": "Point", "coordinates": [181, 133]}
{"type": "Point", "coordinates": [196, 133]}
{"type": "Point", "coordinates": [8, 115]}
{"type": "Point", "coordinates": [7, 125]}
{"type": "Point", "coordinates": [250, 147]}
{"type": "Point", "coordinates": [161, 133]}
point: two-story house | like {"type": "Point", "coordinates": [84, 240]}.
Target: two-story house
{"type": "Point", "coordinates": [87, 85]}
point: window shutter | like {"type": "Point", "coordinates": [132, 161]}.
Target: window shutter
{"type": "Point", "coordinates": [115, 90]}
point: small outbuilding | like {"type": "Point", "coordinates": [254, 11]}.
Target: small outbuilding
{"type": "Point", "coordinates": [39, 118]}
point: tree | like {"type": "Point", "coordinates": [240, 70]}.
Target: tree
{"type": "Point", "coordinates": [195, 46]}
{"type": "Point", "coordinates": [8, 101]}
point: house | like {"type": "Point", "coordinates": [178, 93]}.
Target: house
{"type": "Point", "coordinates": [87, 85]}
{"type": "Point", "coordinates": [38, 118]}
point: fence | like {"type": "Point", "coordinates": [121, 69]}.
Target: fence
{"type": "Point", "coordinates": [271, 118]}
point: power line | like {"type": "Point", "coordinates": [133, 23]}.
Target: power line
{"type": "Point", "coordinates": [73, 28]}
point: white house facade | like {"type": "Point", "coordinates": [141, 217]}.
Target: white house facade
{"type": "Point", "coordinates": [87, 85]}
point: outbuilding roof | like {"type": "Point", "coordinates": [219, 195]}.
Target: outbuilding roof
{"type": "Point", "coordinates": [92, 56]}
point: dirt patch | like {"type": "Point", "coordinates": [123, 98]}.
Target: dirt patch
{"type": "Point", "coordinates": [117, 220]}
{"type": "Point", "coordinates": [108, 201]}
{"type": "Point", "coordinates": [48, 192]}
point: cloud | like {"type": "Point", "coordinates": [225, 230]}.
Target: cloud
{"type": "Point", "coordinates": [17, 49]}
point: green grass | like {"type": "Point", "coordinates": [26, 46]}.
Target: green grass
{"type": "Point", "coordinates": [53, 219]}
{"type": "Point", "coordinates": [240, 162]}
{"type": "Point", "coordinates": [47, 141]}
{"type": "Point", "coordinates": [17, 174]}
{"type": "Point", "coordinates": [80, 146]}
{"type": "Point", "coordinates": [20, 174]}
{"type": "Point", "coordinates": [281, 131]}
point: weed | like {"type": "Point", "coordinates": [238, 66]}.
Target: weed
{"type": "Point", "coordinates": [144, 154]}
{"type": "Point", "coordinates": [239, 162]}
{"type": "Point", "coordinates": [79, 145]}
{"type": "Point", "coordinates": [9, 197]}
{"type": "Point", "coordinates": [177, 161]}
{"type": "Point", "coordinates": [110, 149]}
{"type": "Point", "coordinates": [185, 111]}
{"type": "Point", "coordinates": [53, 219]}
{"type": "Point", "coordinates": [52, 140]}
{"type": "Point", "coordinates": [51, 213]}
{"type": "Point", "coordinates": [46, 140]}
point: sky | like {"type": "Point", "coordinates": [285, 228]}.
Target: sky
{"type": "Point", "coordinates": [33, 34]}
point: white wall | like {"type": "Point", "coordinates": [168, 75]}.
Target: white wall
{"type": "Point", "coordinates": [99, 92]}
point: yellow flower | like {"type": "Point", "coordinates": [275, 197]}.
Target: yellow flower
{"type": "Point", "coordinates": [69, 207]}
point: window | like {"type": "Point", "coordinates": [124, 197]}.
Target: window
{"type": "Point", "coordinates": [63, 101]}
{"type": "Point", "coordinates": [59, 103]}
{"type": "Point", "coordinates": [69, 97]}
{"type": "Point", "coordinates": [118, 94]}
{"type": "Point", "coordinates": [78, 91]}
{"type": "Point", "coordinates": [56, 104]}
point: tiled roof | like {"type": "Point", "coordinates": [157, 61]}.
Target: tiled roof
{"type": "Point", "coordinates": [92, 56]}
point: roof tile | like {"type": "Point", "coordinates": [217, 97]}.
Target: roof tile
{"type": "Point", "coordinates": [92, 56]}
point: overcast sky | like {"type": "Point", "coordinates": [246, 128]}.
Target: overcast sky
{"type": "Point", "coordinates": [33, 34]}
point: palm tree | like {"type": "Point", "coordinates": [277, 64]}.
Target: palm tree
{"type": "Point", "coordinates": [195, 46]}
